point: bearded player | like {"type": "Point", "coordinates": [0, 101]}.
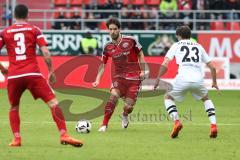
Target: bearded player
{"type": "Point", "coordinates": [129, 64]}
{"type": "Point", "coordinates": [21, 39]}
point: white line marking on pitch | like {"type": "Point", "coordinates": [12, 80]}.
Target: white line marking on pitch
{"type": "Point", "coordinates": [132, 123]}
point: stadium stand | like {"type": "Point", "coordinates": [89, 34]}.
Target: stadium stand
{"type": "Point", "coordinates": [38, 16]}
{"type": "Point", "coordinates": [76, 2]}
{"type": "Point", "coordinates": [138, 2]}
{"type": "Point", "coordinates": [60, 2]}
{"type": "Point", "coordinates": [217, 25]}
{"type": "Point", "coordinates": [135, 14]}
{"type": "Point", "coordinates": [233, 26]}
{"type": "Point", "coordinates": [153, 2]}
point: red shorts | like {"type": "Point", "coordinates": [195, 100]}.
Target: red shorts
{"type": "Point", "coordinates": [37, 85]}
{"type": "Point", "coordinates": [128, 88]}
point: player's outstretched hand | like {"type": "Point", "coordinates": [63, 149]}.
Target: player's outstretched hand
{"type": "Point", "coordinates": [95, 84]}
{"type": "Point", "coordinates": [52, 78]}
{"type": "Point", "coordinates": [156, 84]}
{"type": "Point", "coordinates": [214, 85]}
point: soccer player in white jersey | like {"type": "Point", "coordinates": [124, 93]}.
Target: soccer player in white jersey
{"type": "Point", "coordinates": [189, 57]}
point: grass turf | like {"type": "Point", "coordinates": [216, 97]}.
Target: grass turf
{"type": "Point", "coordinates": [146, 138]}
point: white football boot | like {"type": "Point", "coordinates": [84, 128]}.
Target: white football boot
{"type": "Point", "coordinates": [125, 121]}
{"type": "Point", "coordinates": [102, 129]}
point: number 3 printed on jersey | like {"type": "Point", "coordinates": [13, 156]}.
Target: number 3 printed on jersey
{"type": "Point", "coordinates": [21, 48]}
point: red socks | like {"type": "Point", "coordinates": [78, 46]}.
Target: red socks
{"type": "Point", "coordinates": [59, 119]}
{"type": "Point", "coordinates": [56, 114]}
{"type": "Point", "coordinates": [15, 122]}
{"type": "Point", "coordinates": [109, 109]}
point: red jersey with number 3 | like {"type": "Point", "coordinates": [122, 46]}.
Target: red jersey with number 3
{"type": "Point", "coordinates": [21, 40]}
{"type": "Point", "coordinates": [124, 57]}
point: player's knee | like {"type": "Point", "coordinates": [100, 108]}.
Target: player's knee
{"type": "Point", "coordinates": [53, 102]}
{"type": "Point", "coordinates": [205, 98]}
{"type": "Point", "coordinates": [168, 97]}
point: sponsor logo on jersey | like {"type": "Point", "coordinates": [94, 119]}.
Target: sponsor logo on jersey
{"type": "Point", "coordinates": [120, 55]}
{"type": "Point", "coordinates": [18, 30]}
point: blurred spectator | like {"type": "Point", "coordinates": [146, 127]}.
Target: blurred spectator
{"type": "Point", "coordinates": [7, 15]}
{"type": "Point", "coordinates": [166, 6]}
{"type": "Point", "coordinates": [186, 15]}
{"type": "Point", "coordinates": [184, 5]}
{"type": "Point", "coordinates": [124, 16]}
{"type": "Point", "coordinates": [217, 5]}
{"type": "Point", "coordinates": [61, 24]}
{"type": "Point", "coordinates": [152, 15]}
{"type": "Point", "coordinates": [75, 24]}
{"type": "Point", "coordinates": [232, 5]}
{"type": "Point", "coordinates": [92, 25]}
{"type": "Point", "coordinates": [201, 5]}
{"type": "Point", "coordinates": [118, 5]}
{"type": "Point", "coordinates": [88, 44]}
{"type": "Point", "coordinates": [137, 25]}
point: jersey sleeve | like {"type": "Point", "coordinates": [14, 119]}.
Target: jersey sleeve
{"type": "Point", "coordinates": [104, 58]}
{"type": "Point", "coordinates": [1, 40]}
{"type": "Point", "coordinates": [40, 38]}
{"type": "Point", "coordinates": [138, 46]}
{"type": "Point", "coordinates": [171, 52]}
{"type": "Point", "coordinates": [205, 57]}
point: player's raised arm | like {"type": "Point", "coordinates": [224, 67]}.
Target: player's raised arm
{"type": "Point", "coordinates": [48, 61]}
{"type": "Point", "coordinates": [99, 75]}
{"type": "Point", "coordinates": [162, 71]}
{"type": "Point", "coordinates": [143, 65]}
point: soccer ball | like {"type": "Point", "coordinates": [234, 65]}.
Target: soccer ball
{"type": "Point", "coordinates": [83, 126]}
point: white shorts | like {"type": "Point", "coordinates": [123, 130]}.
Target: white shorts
{"type": "Point", "coordinates": [180, 88]}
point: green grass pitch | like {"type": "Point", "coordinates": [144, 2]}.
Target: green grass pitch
{"type": "Point", "coordinates": [147, 137]}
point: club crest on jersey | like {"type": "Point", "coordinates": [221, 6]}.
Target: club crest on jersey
{"type": "Point", "coordinates": [126, 45]}
{"type": "Point", "coordinates": [115, 84]}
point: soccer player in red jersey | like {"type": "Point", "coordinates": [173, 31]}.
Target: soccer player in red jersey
{"type": "Point", "coordinates": [23, 73]}
{"type": "Point", "coordinates": [129, 64]}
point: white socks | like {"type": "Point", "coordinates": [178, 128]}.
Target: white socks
{"type": "Point", "coordinates": [171, 109]}
{"type": "Point", "coordinates": [209, 108]}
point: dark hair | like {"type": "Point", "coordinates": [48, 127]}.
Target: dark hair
{"type": "Point", "coordinates": [114, 21]}
{"type": "Point", "coordinates": [21, 11]}
{"type": "Point", "coordinates": [184, 32]}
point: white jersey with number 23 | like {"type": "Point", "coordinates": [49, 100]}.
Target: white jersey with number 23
{"type": "Point", "coordinates": [189, 57]}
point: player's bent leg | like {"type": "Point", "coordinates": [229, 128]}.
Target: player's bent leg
{"type": "Point", "coordinates": [14, 119]}
{"type": "Point", "coordinates": [210, 109]}
{"type": "Point", "coordinates": [59, 119]}
{"type": "Point", "coordinates": [15, 88]}
{"type": "Point", "coordinates": [172, 111]}
{"type": "Point", "coordinates": [109, 109]}
{"type": "Point", "coordinates": [57, 115]}
{"type": "Point", "coordinates": [128, 108]}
